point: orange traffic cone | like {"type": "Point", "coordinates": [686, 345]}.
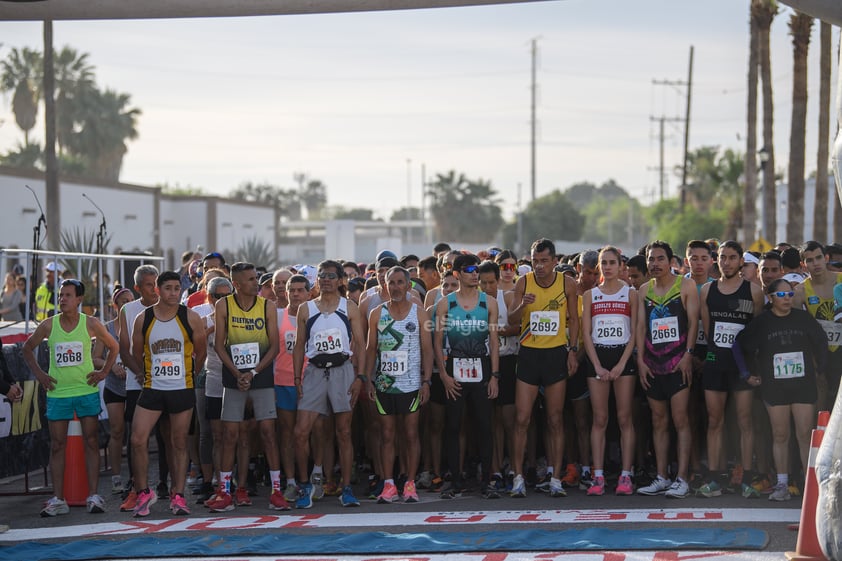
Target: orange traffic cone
{"type": "Point", "coordinates": [75, 472]}
{"type": "Point", "coordinates": [807, 547]}
{"type": "Point", "coordinates": [824, 419]}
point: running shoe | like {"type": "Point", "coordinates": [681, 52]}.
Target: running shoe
{"type": "Point", "coordinates": [241, 497]}
{"type": "Point", "coordinates": [54, 507]}
{"type": "Point", "coordinates": [389, 494]}
{"type": "Point", "coordinates": [736, 477]}
{"type": "Point", "coordinates": [410, 494]}
{"type": "Point", "coordinates": [658, 486]}
{"type": "Point", "coordinates": [163, 491]}
{"type": "Point", "coordinates": [750, 492]}
{"type": "Point", "coordinates": [95, 504]}
{"type": "Point", "coordinates": [203, 493]}
{"type": "Point", "coordinates": [145, 499]}
{"type": "Point", "coordinates": [116, 485]}
{"type": "Point", "coordinates": [709, 489]}
{"type": "Point", "coordinates": [518, 487]}
{"type": "Point", "coordinates": [490, 491]}
{"type": "Point", "coordinates": [277, 501]}
{"type": "Point", "coordinates": [762, 485]}
{"type": "Point", "coordinates": [624, 486]}
{"type": "Point", "coordinates": [436, 484]}
{"type": "Point", "coordinates": [450, 491]}
{"type": "Point", "coordinates": [223, 502]}
{"type": "Point", "coordinates": [510, 481]}
{"type": "Point", "coordinates": [794, 490]}
{"type": "Point", "coordinates": [585, 481]}
{"type": "Point", "coordinates": [178, 505]}
{"type": "Point", "coordinates": [571, 476]}
{"type": "Point", "coordinates": [291, 492]}
{"type": "Point", "coordinates": [780, 493]}
{"type": "Point", "coordinates": [678, 490]}
{"type": "Point", "coordinates": [543, 484]}
{"type": "Point", "coordinates": [374, 491]}
{"type": "Point", "coordinates": [425, 480]}
{"type": "Point", "coordinates": [305, 496]}
{"type": "Point", "coordinates": [556, 488]}
{"type": "Point", "coordinates": [130, 502]}
{"type": "Point", "coordinates": [597, 487]}
{"type": "Point", "coordinates": [317, 480]}
{"type": "Point", "coordinates": [499, 484]}
{"type": "Point", "coordinates": [332, 489]}
{"type": "Point", "coordinates": [348, 498]}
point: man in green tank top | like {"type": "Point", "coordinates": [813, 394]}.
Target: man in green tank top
{"type": "Point", "coordinates": [71, 387]}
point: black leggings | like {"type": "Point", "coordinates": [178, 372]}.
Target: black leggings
{"type": "Point", "coordinates": [479, 421]}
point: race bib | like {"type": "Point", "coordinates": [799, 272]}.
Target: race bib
{"type": "Point", "coordinates": [544, 323]}
{"type": "Point", "coordinates": [467, 370]}
{"type": "Point", "coordinates": [328, 341]}
{"type": "Point", "coordinates": [788, 365]}
{"type": "Point", "coordinates": [289, 341]}
{"type": "Point", "coordinates": [833, 331]}
{"type": "Point", "coordinates": [245, 355]}
{"type": "Point", "coordinates": [168, 366]}
{"type": "Point", "coordinates": [701, 339]}
{"type": "Point", "coordinates": [664, 330]}
{"type": "Point", "coordinates": [610, 330]}
{"type": "Point", "coordinates": [68, 354]}
{"type": "Point", "coordinates": [724, 334]}
{"type": "Point", "coordinates": [394, 363]}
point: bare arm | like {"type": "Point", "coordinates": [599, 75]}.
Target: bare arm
{"type": "Point", "coordinates": [41, 332]}
{"type": "Point", "coordinates": [96, 329]}
{"type": "Point", "coordinates": [200, 338]}
{"type": "Point", "coordinates": [300, 342]}
{"type": "Point", "coordinates": [705, 313]}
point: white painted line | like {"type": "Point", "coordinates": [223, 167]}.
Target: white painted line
{"type": "Point", "coordinates": [387, 519]}
{"type": "Point", "coordinates": [513, 556]}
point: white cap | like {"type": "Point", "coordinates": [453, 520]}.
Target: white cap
{"type": "Point", "coordinates": [750, 258]}
{"type": "Point", "coordinates": [53, 266]}
{"type": "Point", "coordinates": [523, 269]}
{"type": "Point", "coordinates": [310, 272]}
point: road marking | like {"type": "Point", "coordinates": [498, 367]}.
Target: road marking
{"type": "Point", "coordinates": [511, 556]}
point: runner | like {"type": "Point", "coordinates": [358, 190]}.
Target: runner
{"type": "Point", "coordinates": [507, 261]}
{"type": "Point", "coordinates": [330, 335]}
{"type": "Point", "coordinates": [789, 348]}
{"type": "Point", "coordinates": [279, 287]}
{"type": "Point", "coordinates": [770, 270]}
{"type": "Point", "coordinates": [727, 306]}
{"type": "Point", "coordinates": [468, 318]}
{"type": "Point", "coordinates": [166, 340]}
{"type": "Point", "coordinates": [751, 267]}
{"type": "Point", "coordinates": [246, 341]}
{"type": "Point", "coordinates": [543, 299]}
{"type": "Point", "coordinates": [71, 386]}
{"type": "Point", "coordinates": [638, 274]}
{"type": "Point", "coordinates": [398, 347]}
{"type": "Point", "coordinates": [668, 314]}
{"type": "Point", "coordinates": [609, 312]}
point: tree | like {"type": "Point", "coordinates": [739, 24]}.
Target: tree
{"type": "Point", "coordinates": [580, 194]}
{"type": "Point", "coordinates": [285, 200]}
{"type": "Point", "coordinates": [551, 216]}
{"type": "Point", "coordinates": [181, 190]}
{"type": "Point", "coordinates": [406, 213]}
{"type": "Point", "coordinates": [823, 152]}
{"type": "Point", "coordinates": [356, 213]}
{"type": "Point", "coordinates": [312, 193]}
{"type": "Point", "coordinates": [74, 83]}
{"type": "Point", "coordinates": [614, 220]}
{"type": "Point", "coordinates": [678, 228]}
{"type": "Point", "coordinates": [800, 26]}
{"type": "Point", "coordinates": [256, 251]}
{"type": "Point", "coordinates": [764, 11]}
{"type": "Point", "coordinates": [21, 73]}
{"type": "Point", "coordinates": [24, 156]}
{"type": "Point", "coordinates": [464, 210]}
{"type": "Point", "coordinates": [750, 193]}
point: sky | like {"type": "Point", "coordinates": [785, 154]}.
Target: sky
{"type": "Point", "coordinates": [362, 101]}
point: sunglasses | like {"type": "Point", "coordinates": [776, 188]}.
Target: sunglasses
{"type": "Point", "coordinates": [508, 266]}
{"type": "Point", "coordinates": [782, 294]}
{"type": "Point", "coordinates": [328, 276]}
{"type": "Point", "coordinates": [218, 295]}
{"type": "Point", "coordinates": [837, 264]}
{"type": "Point", "coordinates": [470, 269]}
{"type": "Point", "coordinates": [447, 266]}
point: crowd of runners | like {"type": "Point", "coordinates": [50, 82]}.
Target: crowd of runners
{"type": "Point", "coordinates": [652, 373]}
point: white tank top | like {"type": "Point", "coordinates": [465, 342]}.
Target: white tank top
{"type": "Point", "coordinates": [508, 345]}
{"type": "Point", "coordinates": [610, 317]}
{"type": "Point", "coordinates": [328, 334]}
{"type": "Point", "coordinates": [132, 310]}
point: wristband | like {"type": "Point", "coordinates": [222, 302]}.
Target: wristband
{"type": "Point", "coordinates": [690, 350]}
{"type": "Point", "coordinates": [495, 375]}
{"type": "Point", "coordinates": [253, 372]}
{"type": "Point", "coordinates": [362, 378]}
{"type": "Point", "coordinates": [573, 348]}
{"type": "Point", "coordinates": [428, 382]}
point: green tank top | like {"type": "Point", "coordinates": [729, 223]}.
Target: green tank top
{"type": "Point", "coordinates": [467, 330]}
{"type": "Point", "coordinates": [70, 359]}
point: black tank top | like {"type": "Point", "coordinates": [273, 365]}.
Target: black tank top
{"type": "Point", "coordinates": [729, 314]}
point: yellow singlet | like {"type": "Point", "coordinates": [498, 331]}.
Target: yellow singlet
{"type": "Point", "coordinates": [543, 324]}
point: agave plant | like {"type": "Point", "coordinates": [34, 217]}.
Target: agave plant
{"type": "Point", "coordinates": [258, 252]}
{"type": "Point", "coordinates": [80, 240]}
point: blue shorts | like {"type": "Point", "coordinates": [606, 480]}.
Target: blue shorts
{"type": "Point", "coordinates": [286, 398]}
{"type": "Point", "coordinates": [62, 408]}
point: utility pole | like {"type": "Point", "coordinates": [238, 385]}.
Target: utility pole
{"type": "Point", "coordinates": [688, 84]}
{"type": "Point", "coordinates": [662, 171]}
{"type": "Point", "coordinates": [532, 121]}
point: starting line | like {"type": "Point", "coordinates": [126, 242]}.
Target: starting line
{"type": "Point", "coordinates": [385, 521]}
{"type": "Point", "coordinates": [514, 556]}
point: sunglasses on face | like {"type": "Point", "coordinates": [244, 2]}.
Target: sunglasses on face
{"type": "Point", "coordinates": [508, 266]}
{"type": "Point", "coordinates": [782, 294]}
{"type": "Point", "coordinates": [328, 276]}
{"type": "Point", "coordinates": [470, 269]}
{"type": "Point", "coordinates": [447, 266]}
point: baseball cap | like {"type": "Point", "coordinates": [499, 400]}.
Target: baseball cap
{"type": "Point", "coordinates": [264, 278]}
{"type": "Point", "coordinates": [53, 266]}
{"type": "Point", "coordinates": [310, 272]}
{"type": "Point", "coordinates": [385, 253]}
{"type": "Point", "coordinates": [523, 269]}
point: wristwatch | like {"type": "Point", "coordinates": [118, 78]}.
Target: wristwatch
{"type": "Point", "coordinates": [362, 378]}
{"type": "Point", "coordinates": [573, 348]}
{"type": "Point", "coordinates": [690, 350]}
{"type": "Point", "coordinates": [495, 375]}
{"type": "Point", "coordinates": [253, 372]}
{"type": "Point", "coordinates": [429, 382]}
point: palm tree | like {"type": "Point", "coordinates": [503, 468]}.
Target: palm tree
{"type": "Point", "coordinates": [107, 123]}
{"type": "Point", "coordinates": [800, 26]}
{"type": "Point", "coordinates": [74, 79]}
{"type": "Point", "coordinates": [820, 209]}
{"type": "Point", "coordinates": [312, 193]}
{"type": "Point", "coordinates": [750, 194]}
{"type": "Point", "coordinates": [764, 11]}
{"type": "Point", "coordinates": [464, 210]}
{"type": "Point", "coordinates": [21, 74]}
